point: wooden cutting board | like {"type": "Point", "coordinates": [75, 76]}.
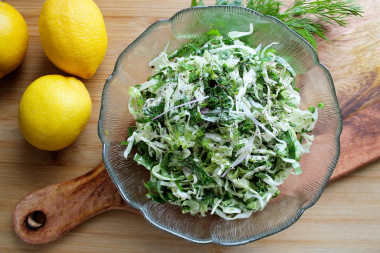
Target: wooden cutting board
{"type": "Point", "coordinates": [351, 56]}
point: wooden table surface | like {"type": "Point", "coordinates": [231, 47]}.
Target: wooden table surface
{"type": "Point", "coordinates": [346, 218]}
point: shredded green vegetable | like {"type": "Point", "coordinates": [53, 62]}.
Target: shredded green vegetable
{"type": "Point", "coordinates": [218, 127]}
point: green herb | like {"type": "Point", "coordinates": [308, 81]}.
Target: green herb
{"type": "Point", "coordinates": [155, 192]}
{"type": "Point", "coordinates": [154, 111]}
{"type": "Point", "coordinates": [299, 15]}
{"type": "Point", "coordinates": [311, 109]}
{"type": "Point", "coordinates": [213, 32]}
{"type": "Point", "coordinates": [321, 105]}
{"type": "Point", "coordinates": [131, 130]}
{"type": "Point", "coordinates": [291, 145]}
{"type": "Point", "coordinates": [197, 3]}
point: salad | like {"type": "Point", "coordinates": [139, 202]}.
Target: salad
{"type": "Point", "coordinates": [218, 127]}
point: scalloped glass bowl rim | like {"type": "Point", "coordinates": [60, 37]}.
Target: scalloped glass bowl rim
{"type": "Point", "coordinates": [302, 209]}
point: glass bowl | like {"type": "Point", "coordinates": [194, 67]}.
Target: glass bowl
{"type": "Point", "coordinates": [297, 193]}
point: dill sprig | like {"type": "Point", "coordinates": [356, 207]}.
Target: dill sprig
{"type": "Point", "coordinates": [304, 17]}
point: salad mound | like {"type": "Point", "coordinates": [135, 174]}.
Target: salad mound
{"type": "Point", "coordinates": [218, 127]}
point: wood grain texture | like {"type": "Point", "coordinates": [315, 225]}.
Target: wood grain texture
{"type": "Point", "coordinates": [360, 140]}
{"type": "Point", "coordinates": [66, 205]}
{"type": "Point", "coordinates": [352, 56]}
{"type": "Point", "coordinates": [345, 219]}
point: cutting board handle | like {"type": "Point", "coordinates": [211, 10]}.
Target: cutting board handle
{"type": "Point", "coordinates": [51, 212]}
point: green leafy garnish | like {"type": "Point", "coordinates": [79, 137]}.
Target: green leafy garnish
{"type": "Point", "coordinates": [300, 15]}
{"type": "Point", "coordinates": [197, 3]}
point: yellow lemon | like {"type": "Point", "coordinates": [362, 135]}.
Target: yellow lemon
{"type": "Point", "coordinates": [13, 39]}
{"type": "Point", "coordinates": [73, 35]}
{"type": "Point", "coordinates": [53, 111]}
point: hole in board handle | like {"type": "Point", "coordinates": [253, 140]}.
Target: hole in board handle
{"type": "Point", "coordinates": [35, 220]}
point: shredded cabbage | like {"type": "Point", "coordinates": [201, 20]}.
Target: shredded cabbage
{"type": "Point", "coordinates": [218, 126]}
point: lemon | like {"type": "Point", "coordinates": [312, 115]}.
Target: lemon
{"type": "Point", "coordinates": [53, 111]}
{"type": "Point", "coordinates": [73, 35]}
{"type": "Point", "coordinates": [13, 39]}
